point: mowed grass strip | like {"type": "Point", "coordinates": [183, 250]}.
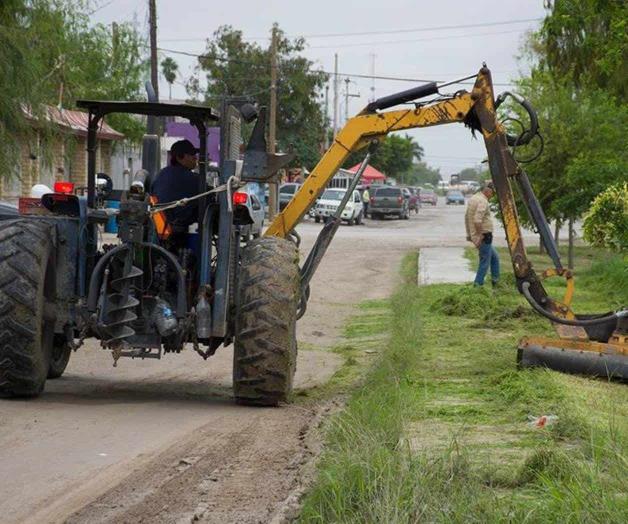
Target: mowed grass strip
{"type": "Point", "coordinates": [438, 430]}
{"type": "Point", "coordinates": [364, 338]}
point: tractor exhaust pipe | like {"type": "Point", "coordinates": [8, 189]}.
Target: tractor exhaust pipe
{"type": "Point", "coordinates": [150, 141]}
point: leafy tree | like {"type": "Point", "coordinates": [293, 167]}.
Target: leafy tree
{"type": "Point", "coordinates": [49, 54]}
{"type": "Point", "coordinates": [587, 42]}
{"type": "Point", "coordinates": [234, 67]}
{"type": "Point", "coordinates": [586, 140]}
{"type": "Point", "coordinates": [169, 69]}
{"type": "Point", "coordinates": [606, 223]}
{"type": "Point", "coordinates": [105, 63]}
{"type": "Point", "coordinates": [420, 173]}
{"type": "Point", "coordinates": [394, 156]}
{"type": "Point", "coordinates": [578, 66]}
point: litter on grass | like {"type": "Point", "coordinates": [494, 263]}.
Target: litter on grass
{"type": "Point", "coordinates": [542, 421]}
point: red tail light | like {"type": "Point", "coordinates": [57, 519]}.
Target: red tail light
{"type": "Point", "coordinates": [400, 200]}
{"type": "Point", "coordinates": [240, 198]}
{"type": "Point", "coordinates": [64, 187]}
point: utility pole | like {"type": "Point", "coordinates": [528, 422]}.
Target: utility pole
{"type": "Point", "coordinates": [336, 88]}
{"type": "Point", "coordinates": [347, 95]}
{"type": "Point", "coordinates": [273, 186]}
{"type": "Point", "coordinates": [114, 40]}
{"type": "Point", "coordinates": [372, 78]}
{"type": "Point", "coordinates": [326, 126]}
{"type": "Point", "coordinates": [154, 71]}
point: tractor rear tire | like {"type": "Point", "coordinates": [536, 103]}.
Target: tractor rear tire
{"type": "Point", "coordinates": [265, 348]}
{"type": "Point", "coordinates": [27, 294]}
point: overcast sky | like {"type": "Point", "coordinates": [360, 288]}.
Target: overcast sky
{"type": "Point", "coordinates": [409, 38]}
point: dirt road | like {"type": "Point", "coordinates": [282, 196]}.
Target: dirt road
{"type": "Point", "coordinates": [161, 441]}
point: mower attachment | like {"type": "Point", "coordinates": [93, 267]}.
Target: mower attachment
{"type": "Point", "coordinates": [574, 356]}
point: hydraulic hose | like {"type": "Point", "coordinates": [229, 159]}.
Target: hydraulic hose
{"type": "Point", "coordinates": [527, 136]}
{"type": "Point", "coordinates": [525, 289]}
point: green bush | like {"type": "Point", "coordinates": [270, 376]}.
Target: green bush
{"type": "Point", "coordinates": [606, 223]}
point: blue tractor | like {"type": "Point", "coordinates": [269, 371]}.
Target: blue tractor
{"type": "Point", "coordinates": [141, 296]}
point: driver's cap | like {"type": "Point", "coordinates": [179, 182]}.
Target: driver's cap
{"type": "Point", "coordinates": [183, 147]}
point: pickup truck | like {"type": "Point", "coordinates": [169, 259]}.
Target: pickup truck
{"type": "Point", "coordinates": [388, 200]}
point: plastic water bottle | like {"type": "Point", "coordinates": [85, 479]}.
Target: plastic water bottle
{"type": "Point", "coordinates": [203, 318]}
{"type": "Point", "coordinates": [164, 319]}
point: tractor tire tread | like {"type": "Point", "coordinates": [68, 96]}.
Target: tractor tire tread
{"type": "Point", "coordinates": [265, 340]}
{"type": "Point", "coordinates": [23, 364]}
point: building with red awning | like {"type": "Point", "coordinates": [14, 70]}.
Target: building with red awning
{"type": "Point", "coordinates": [370, 175]}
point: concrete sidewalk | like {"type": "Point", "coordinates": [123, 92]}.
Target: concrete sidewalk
{"type": "Point", "coordinates": [438, 265]}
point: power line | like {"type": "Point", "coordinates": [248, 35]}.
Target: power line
{"type": "Point", "coordinates": [415, 80]}
{"type": "Point", "coordinates": [352, 75]}
{"type": "Point", "coordinates": [453, 163]}
{"type": "Point", "coordinates": [100, 7]}
{"type": "Point", "coordinates": [446, 157]}
{"type": "Point", "coordinates": [422, 29]}
{"type": "Point", "coordinates": [370, 33]}
{"type": "Point", "coordinates": [429, 39]}
{"type": "Point", "coordinates": [208, 56]}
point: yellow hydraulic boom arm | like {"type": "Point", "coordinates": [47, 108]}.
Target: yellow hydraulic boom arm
{"type": "Point", "coordinates": [356, 134]}
{"type": "Point", "coordinates": [477, 110]}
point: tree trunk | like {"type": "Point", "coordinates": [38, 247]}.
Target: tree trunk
{"type": "Point", "coordinates": [541, 247]}
{"type": "Point", "coordinates": [557, 225]}
{"type": "Point", "coordinates": [571, 240]}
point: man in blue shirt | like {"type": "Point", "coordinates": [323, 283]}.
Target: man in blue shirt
{"type": "Point", "coordinates": [178, 181]}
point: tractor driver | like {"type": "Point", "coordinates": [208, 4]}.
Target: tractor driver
{"type": "Point", "coordinates": [178, 181]}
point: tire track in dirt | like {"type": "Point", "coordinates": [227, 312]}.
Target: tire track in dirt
{"type": "Point", "coordinates": [215, 476]}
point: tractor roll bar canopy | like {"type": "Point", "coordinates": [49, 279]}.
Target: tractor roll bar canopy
{"type": "Point", "coordinates": [197, 115]}
{"type": "Point", "coordinates": [190, 111]}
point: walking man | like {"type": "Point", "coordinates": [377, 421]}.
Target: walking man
{"type": "Point", "coordinates": [479, 224]}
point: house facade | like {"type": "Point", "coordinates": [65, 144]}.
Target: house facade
{"type": "Point", "coordinates": [64, 157]}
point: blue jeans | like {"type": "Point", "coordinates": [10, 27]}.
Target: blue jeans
{"type": "Point", "coordinates": [488, 258]}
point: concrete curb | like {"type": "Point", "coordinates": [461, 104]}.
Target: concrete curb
{"type": "Point", "coordinates": [443, 265]}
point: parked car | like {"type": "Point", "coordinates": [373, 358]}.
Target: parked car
{"type": "Point", "coordinates": [286, 192]}
{"type": "Point", "coordinates": [387, 200]}
{"type": "Point", "coordinates": [454, 197]}
{"type": "Point", "coordinates": [428, 196]}
{"type": "Point", "coordinates": [328, 203]}
{"type": "Point", "coordinates": [256, 210]}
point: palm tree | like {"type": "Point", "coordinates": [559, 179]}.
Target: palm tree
{"type": "Point", "coordinates": [417, 150]}
{"type": "Point", "coordinates": [169, 69]}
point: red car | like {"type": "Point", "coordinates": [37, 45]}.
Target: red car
{"type": "Point", "coordinates": [428, 196]}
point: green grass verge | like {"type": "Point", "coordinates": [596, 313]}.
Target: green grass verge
{"type": "Point", "coordinates": [364, 338]}
{"type": "Point", "coordinates": [438, 432]}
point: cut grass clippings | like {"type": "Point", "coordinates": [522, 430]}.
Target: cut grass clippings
{"type": "Point", "coordinates": [438, 430]}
